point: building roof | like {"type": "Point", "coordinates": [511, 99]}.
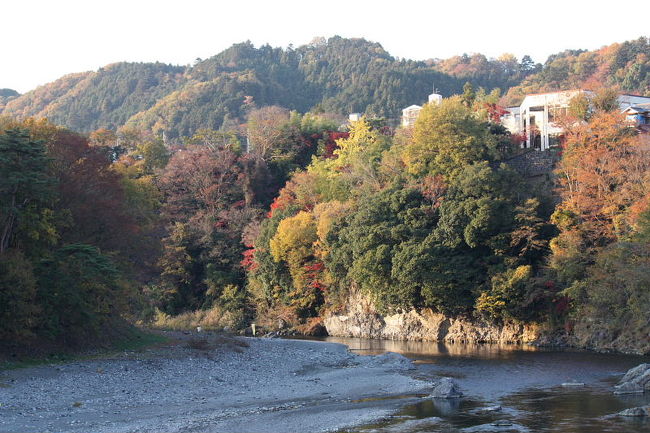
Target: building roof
{"type": "Point", "coordinates": [513, 110]}
{"type": "Point", "coordinates": [582, 90]}
{"type": "Point", "coordinates": [556, 91]}
{"type": "Point", "coordinates": [637, 108]}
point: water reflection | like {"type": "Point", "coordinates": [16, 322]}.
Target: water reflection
{"type": "Point", "coordinates": [525, 381]}
{"type": "Point", "coordinates": [577, 411]}
{"type": "Point", "coordinates": [419, 349]}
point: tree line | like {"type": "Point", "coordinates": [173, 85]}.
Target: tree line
{"type": "Point", "coordinates": [103, 229]}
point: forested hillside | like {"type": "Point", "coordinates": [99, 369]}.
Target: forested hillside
{"type": "Point", "coordinates": [106, 98]}
{"type": "Point", "coordinates": [503, 72]}
{"type": "Point", "coordinates": [7, 95]}
{"type": "Point", "coordinates": [335, 75]}
{"type": "Point", "coordinates": [434, 217]}
{"type": "Point", "coordinates": [94, 233]}
{"type": "Point", "coordinates": [625, 66]}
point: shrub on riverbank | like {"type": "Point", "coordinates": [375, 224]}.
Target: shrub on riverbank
{"type": "Point", "coordinates": [215, 318]}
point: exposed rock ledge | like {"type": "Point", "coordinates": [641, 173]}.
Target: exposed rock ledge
{"type": "Point", "coordinates": [362, 320]}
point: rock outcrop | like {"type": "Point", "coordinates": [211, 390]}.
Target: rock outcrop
{"type": "Point", "coordinates": [446, 388]}
{"type": "Point", "coordinates": [635, 381]}
{"type": "Point", "coordinates": [635, 412]}
{"type": "Point", "coordinates": [362, 320]}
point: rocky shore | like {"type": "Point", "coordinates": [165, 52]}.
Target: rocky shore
{"type": "Point", "coordinates": [247, 385]}
{"type": "Point", "coordinates": [362, 320]}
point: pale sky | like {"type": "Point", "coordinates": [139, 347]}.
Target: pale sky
{"type": "Point", "coordinates": [43, 40]}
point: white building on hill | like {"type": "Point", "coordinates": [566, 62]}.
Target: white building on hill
{"type": "Point", "coordinates": [535, 117]}
{"type": "Point", "coordinates": [410, 114]}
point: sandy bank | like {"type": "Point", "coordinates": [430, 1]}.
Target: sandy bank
{"type": "Point", "coordinates": [271, 386]}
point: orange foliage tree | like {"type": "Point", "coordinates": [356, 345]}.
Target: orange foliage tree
{"type": "Point", "coordinates": [602, 173]}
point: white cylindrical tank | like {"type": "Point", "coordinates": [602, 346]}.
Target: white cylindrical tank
{"type": "Point", "coordinates": [435, 98]}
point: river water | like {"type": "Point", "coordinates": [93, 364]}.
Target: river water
{"type": "Point", "coordinates": [525, 381]}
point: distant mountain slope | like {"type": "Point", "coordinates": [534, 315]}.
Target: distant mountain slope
{"type": "Point", "coordinates": [34, 102]}
{"type": "Point", "coordinates": [7, 95]}
{"type": "Point", "coordinates": [624, 65]}
{"type": "Point", "coordinates": [336, 74]}
{"type": "Point", "coordinates": [105, 98]}
{"type": "Point", "coordinates": [355, 75]}
{"type": "Point", "coordinates": [226, 86]}
{"type": "Point", "coordinates": [503, 72]}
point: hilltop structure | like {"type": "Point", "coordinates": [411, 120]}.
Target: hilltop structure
{"type": "Point", "coordinates": [535, 118]}
{"type": "Point", "coordinates": [411, 113]}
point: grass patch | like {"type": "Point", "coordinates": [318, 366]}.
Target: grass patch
{"type": "Point", "coordinates": [130, 340]}
{"type": "Point", "coordinates": [216, 342]}
{"type": "Point", "coordinates": [35, 361]}
{"type": "Point", "coordinates": [199, 344]}
{"type": "Point", "coordinates": [137, 340]}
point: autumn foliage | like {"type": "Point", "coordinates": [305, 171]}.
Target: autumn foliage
{"type": "Point", "coordinates": [602, 173]}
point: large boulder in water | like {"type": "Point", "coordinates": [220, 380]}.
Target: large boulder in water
{"type": "Point", "coordinates": [636, 380]}
{"type": "Point", "coordinates": [446, 388]}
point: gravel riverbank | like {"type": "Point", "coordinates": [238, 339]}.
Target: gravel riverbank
{"type": "Point", "coordinates": [272, 385]}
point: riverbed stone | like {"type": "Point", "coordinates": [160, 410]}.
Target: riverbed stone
{"type": "Point", "coordinates": [502, 423]}
{"type": "Point", "coordinates": [636, 380]}
{"type": "Point", "coordinates": [635, 412]}
{"type": "Point", "coordinates": [391, 360]}
{"type": "Point", "coordinates": [573, 384]}
{"type": "Point", "coordinates": [446, 388]}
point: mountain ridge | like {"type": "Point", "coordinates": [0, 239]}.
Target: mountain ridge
{"type": "Point", "coordinates": [340, 75]}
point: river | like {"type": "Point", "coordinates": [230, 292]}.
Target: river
{"type": "Point", "coordinates": [525, 381]}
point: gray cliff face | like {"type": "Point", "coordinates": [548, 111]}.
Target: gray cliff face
{"type": "Point", "coordinates": [362, 320]}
